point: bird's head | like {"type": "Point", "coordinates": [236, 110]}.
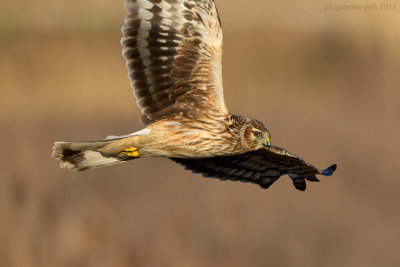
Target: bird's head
{"type": "Point", "coordinates": [255, 135]}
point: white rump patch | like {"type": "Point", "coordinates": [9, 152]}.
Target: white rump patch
{"type": "Point", "coordinates": [112, 137]}
{"type": "Point", "coordinates": [142, 132]}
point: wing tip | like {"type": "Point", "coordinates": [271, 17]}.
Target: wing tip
{"type": "Point", "coordinates": [299, 184]}
{"type": "Point", "coordinates": [329, 171]}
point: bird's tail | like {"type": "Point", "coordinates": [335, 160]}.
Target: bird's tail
{"type": "Point", "coordinates": [79, 156]}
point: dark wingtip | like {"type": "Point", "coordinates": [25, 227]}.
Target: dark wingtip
{"type": "Point", "coordinates": [299, 183]}
{"type": "Point", "coordinates": [328, 171]}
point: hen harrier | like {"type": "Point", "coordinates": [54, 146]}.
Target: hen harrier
{"type": "Point", "coordinates": [173, 51]}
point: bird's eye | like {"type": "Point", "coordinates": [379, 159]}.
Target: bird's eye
{"type": "Point", "coordinates": [257, 134]}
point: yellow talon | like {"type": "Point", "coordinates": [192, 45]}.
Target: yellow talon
{"type": "Point", "coordinates": [131, 152]}
{"type": "Point", "coordinates": [130, 149]}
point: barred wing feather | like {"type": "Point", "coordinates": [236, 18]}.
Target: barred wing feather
{"type": "Point", "coordinates": [173, 51]}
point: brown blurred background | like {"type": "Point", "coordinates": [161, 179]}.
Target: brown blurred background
{"type": "Point", "coordinates": [326, 83]}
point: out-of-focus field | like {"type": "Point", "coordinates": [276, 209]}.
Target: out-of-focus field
{"type": "Point", "coordinates": [326, 84]}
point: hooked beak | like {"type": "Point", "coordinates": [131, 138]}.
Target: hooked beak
{"type": "Point", "coordinates": [267, 142]}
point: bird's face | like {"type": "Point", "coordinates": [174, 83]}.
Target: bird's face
{"type": "Point", "coordinates": [256, 135]}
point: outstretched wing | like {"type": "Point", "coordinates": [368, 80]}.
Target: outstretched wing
{"type": "Point", "coordinates": [173, 51]}
{"type": "Point", "coordinates": [262, 167]}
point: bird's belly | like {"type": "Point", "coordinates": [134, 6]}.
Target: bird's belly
{"type": "Point", "coordinates": [186, 144]}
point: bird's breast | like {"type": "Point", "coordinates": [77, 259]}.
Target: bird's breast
{"type": "Point", "coordinates": [188, 140]}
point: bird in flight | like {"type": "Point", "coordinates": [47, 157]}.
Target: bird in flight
{"type": "Point", "coordinates": [173, 52]}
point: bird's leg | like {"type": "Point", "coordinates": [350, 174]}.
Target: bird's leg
{"type": "Point", "coordinates": [131, 152]}
{"type": "Point", "coordinates": [128, 146]}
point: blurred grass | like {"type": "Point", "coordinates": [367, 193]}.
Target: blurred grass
{"type": "Point", "coordinates": [325, 84]}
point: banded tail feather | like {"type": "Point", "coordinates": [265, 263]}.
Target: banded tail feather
{"type": "Point", "coordinates": [80, 156]}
